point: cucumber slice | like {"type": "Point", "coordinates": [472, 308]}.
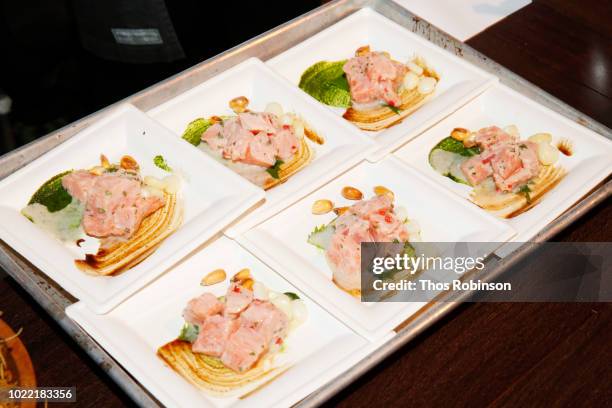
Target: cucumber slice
{"type": "Point", "coordinates": [455, 173]}
{"type": "Point", "coordinates": [321, 236]}
{"type": "Point", "coordinates": [441, 160]}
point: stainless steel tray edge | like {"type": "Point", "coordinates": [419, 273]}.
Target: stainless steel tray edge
{"type": "Point", "coordinates": [54, 300]}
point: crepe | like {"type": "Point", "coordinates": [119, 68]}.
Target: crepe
{"type": "Point", "coordinates": [383, 117]}
{"type": "Point", "coordinates": [115, 256]}
{"type": "Point", "coordinates": [209, 373]}
{"type": "Point", "coordinates": [512, 204]}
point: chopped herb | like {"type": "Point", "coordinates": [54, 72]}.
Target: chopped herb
{"type": "Point", "coordinates": [526, 191]}
{"type": "Point", "coordinates": [101, 210]}
{"type": "Point", "coordinates": [108, 193]}
{"type": "Point", "coordinates": [189, 332]}
{"type": "Point", "coordinates": [292, 295]}
{"type": "Point", "coordinates": [395, 109]}
{"type": "Point", "coordinates": [523, 146]}
{"type": "Point", "coordinates": [273, 171]}
{"type": "Point", "coordinates": [160, 162]}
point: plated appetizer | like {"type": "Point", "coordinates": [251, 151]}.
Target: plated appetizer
{"type": "Point", "coordinates": [231, 341]}
{"type": "Point", "coordinates": [113, 214]}
{"type": "Point", "coordinates": [264, 147]}
{"type": "Point", "coordinates": [368, 220]}
{"type": "Point", "coordinates": [376, 90]}
{"type": "Point", "coordinates": [508, 175]}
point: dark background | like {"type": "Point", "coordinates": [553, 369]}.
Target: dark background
{"type": "Point", "coordinates": [53, 80]}
{"type": "Point", "coordinates": [493, 355]}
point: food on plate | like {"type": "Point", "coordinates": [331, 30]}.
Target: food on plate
{"type": "Point", "coordinates": [368, 220]}
{"type": "Point", "coordinates": [377, 91]}
{"type": "Point", "coordinates": [118, 217]}
{"type": "Point", "coordinates": [508, 175]}
{"type": "Point", "coordinates": [231, 341]}
{"type": "Point", "coordinates": [264, 147]}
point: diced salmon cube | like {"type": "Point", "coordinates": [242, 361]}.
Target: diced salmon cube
{"type": "Point", "coordinates": [506, 160]}
{"type": "Point", "coordinates": [476, 169]}
{"type": "Point", "coordinates": [244, 348]}
{"type": "Point", "coordinates": [269, 319]}
{"type": "Point", "coordinates": [237, 299]}
{"type": "Point", "coordinates": [200, 308]}
{"type": "Point", "coordinates": [214, 334]}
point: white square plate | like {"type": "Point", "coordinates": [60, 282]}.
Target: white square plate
{"type": "Point", "coordinates": [344, 146]}
{"type": "Point", "coordinates": [590, 164]}
{"type": "Point", "coordinates": [318, 350]}
{"type": "Point", "coordinates": [212, 197]}
{"type": "Point", "coordinates": [281, 240]}
{"type": "Point", "coordinates": [459, 81]}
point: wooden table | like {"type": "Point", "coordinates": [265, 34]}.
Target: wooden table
{"type": "Point", "coordinates": [481, 354]}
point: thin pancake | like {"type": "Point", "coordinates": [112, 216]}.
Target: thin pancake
{"type": "Point", "coordinates": [512, 204]}
{"type": "Point", "coordinates": [209, 373]}
{"type": "Point", "coordinates": [119, 256]}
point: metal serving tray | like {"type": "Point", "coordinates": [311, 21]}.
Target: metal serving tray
{"type": "Point", "coordinates": [55, 300]}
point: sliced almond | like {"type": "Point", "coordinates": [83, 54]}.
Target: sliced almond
{"type": "Point", "coordinates": [460, 134]}
{"type": "Point", "coordinates": [239, 104]}
{"type": "Point", "coordinates": [322, 207]}
{"type": "Point", "coordinates": [215, 119]}
{"type": "Point", "coordinates": [247, 283]}
{"type": "Point", "coordinates": [242, 275]}
{"type": "Point", "coordinates": [382, 190]}
{"type": "Point", "coordinates": [104, 161]}
{"type": "Point", "coordinates": [216, 276]}
{"type": "Point", "coordinates": [340, 210]}
{"type": "Point", "coordinates": [98, 170]}
{"type": "Point", "coordinates": [362, 51]}
{"type": "Point", "coordinates": [351, 193]}
{"type": "Point", "coordinates": [128, 163]}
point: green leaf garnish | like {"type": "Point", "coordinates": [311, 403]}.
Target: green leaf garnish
{"type": "Point", "coordinates": [194, 130]}
{"type": "Point", "coordinates": [52, 194]}
{"type": "Point", "coordinates": [292, 295]}
{"type": "Point", "coordinates": [273, 171]}
{"type": "Point", "coordinates": [189, 332]}
{"type": "Point", "coordinates": [395, 109]}
{"type": "Point", "coordinates": [526, 191]}
{"type": "Point", "coordinates": [455, 146]}
{"type": "Point", "coordinates": [160, 162]}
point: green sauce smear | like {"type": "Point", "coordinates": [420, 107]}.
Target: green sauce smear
{"type": "Point", "coordinates": [52, 194]}
{"type": "Point", "coordinates": [194, 130]}
{"type": "Point", "coordinates": [326, 82]}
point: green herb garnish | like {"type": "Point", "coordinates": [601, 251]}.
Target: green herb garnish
{"type": "Point", "coordinates": [160, 162]}
{"type": "Point", "coordinates": [450, 144]}
{"type": "Point", "coordinates": [52, 194]}
{"type": "Point", "coordinates": [292, 295]}
{"type": "Point", "coordinates": [526, 191]}
{"type": "Point", "coordinates": [395, 109]}
{"type": "Point", "coordinates": [189, 332]}
{"type": "Point", "coordinates": [194, 130]}
{"type": "Point", "coordinates": [273, 171]}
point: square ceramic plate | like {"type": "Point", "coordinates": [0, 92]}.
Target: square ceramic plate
{"type": "Point", "coordinates": [344, 146]}
{"type": "Point", "coordinates": [459, 81]}
{"type": "Point", "coordinates": [281, 240]}
{"type": "Point", "coordinates": [212, 197]}
{"type": "Point", "coordinates": [590, 163]}
{"type": "Point", "coordinates": [316, 351]}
